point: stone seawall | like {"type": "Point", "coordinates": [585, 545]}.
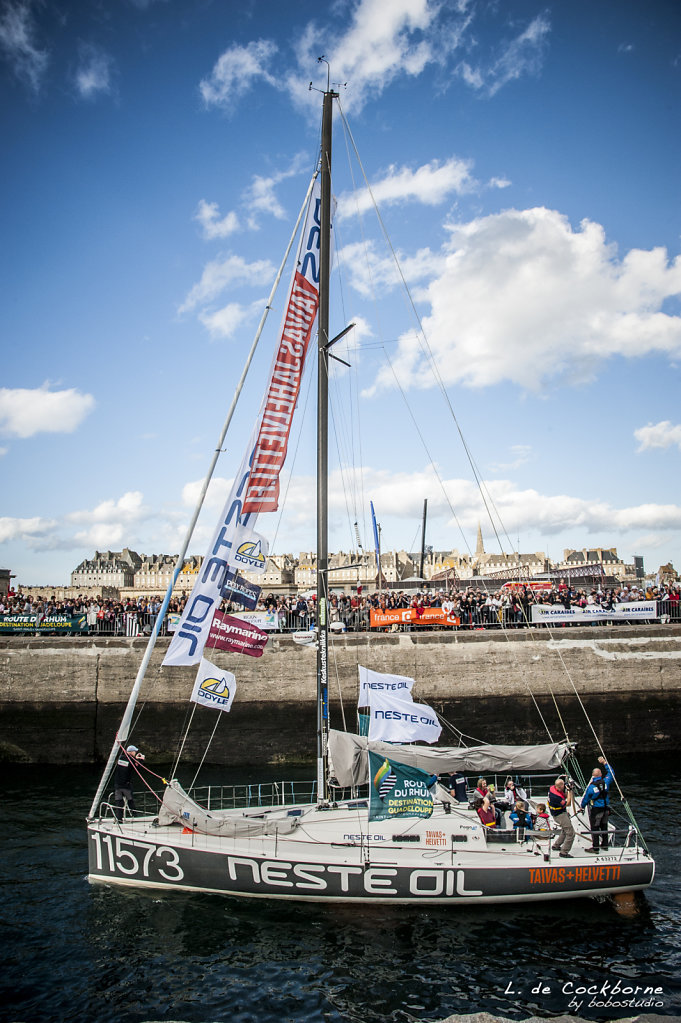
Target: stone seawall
{"type": "Point", "coordinates": [61, 699]}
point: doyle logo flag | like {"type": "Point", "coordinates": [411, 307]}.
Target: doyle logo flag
{"type": "Point", "coordinates": [213, 687]}
{"type": "Point", "coordinates": [397, 790]}
{"type": "Point", "coordinates": [228, 633]}
{"type": "Point", "coordinates": [286, 374]}
{"type": "Point", "coordinates": [250, 550]}
{"type": "Point", "coordinates": [372, 683]}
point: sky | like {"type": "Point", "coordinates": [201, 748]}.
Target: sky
{"type": "Point", "coordinates": [524, 159]}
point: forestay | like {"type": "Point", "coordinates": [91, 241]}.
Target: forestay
{"type": "Point", "coordinates": [349, 757]}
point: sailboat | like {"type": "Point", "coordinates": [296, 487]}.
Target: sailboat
{"type": "Point", "coordinates": [378, 825]}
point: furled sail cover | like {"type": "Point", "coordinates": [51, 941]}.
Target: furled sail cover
{"type": "Point", "coordinates": [349, 759]}
{"type": "Point", "coordinates": [179, 808]}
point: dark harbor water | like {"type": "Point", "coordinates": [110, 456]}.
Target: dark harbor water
{"type": "Point", "coordinates": [72, 952]}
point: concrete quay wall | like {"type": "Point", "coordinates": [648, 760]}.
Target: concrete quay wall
{"type": "Point", "coordinates": [61, 699]}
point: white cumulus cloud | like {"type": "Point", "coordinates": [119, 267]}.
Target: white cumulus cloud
{"type": "Point", "coordinates": [24, 529]}
{"type": "Point", "coordinates": [110, 523]}
{"type": "Point", "coordinates": [658, 435]}
{"type": "Point", "coordinates": [212, 224]}
{"type": "Point", "coordinates": [226, 321]}
{"type": "Point", "coordinates": [383, 41]}
{"type": "Point", "coordinates": [368, 271]}
{"type": "Point", "coordinates": [525, 298]}
{"type": "Point", "coordinates": [236, 71]}
{"type": "Point", "coordinates": [27, 411]}
{"type": "Point", "coordinates": [430, 184]}
{"type": "Point", "coordinates": [220, 274]}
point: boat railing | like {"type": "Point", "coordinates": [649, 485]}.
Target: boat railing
{"type": "Point", "coordinates": [238, 797]}
{"type": "Point", "coordinates": [223, 797]}
{"type": "Point", "coordinates": [258, 794]}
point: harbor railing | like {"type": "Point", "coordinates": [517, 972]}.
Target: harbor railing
{"type": "Point", "coordinates": [133, 624]}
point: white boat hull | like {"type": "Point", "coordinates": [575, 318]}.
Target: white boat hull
{"type": "Point", "coordinates": [331, 856]}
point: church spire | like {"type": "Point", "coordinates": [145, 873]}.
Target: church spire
{"type": "Point", "coordinates": [479, 549]}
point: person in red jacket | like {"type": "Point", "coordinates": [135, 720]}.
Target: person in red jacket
{"type": "Point", "coordinates": [559, 800]}
{"type": "Point", "coordinates": [487, 814]}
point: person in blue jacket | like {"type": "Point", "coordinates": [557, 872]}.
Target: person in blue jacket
{"type": "Point", "coordinates": [597, 797]}
{"type": "Point", "coordinates": [519, 817]}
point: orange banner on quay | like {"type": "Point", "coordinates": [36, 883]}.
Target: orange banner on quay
{"type": "Point", "coordinates": [408, 616]}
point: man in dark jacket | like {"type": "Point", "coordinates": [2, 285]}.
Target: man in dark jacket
{"type": "Point", "coordinates": [123, 779]}
{"type": "Point", "coordinates": [597, 796]}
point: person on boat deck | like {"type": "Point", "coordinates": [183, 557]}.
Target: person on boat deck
{"type": "Point", "coordinates": [541, 821]}
{"type": "Point", "coordinates": [559, 800]}
{"type": "Point", "coordinates": [513, 793]}
{"type": "Point", "coordinates": [123, 779]}
{"type": "Point", "coordinates": [597, 796]}
{"type": "Point", "coordinates": [481, 790]}
{"type": "Point", "coordinates": [458, 787]}
{"type": "Point", "coordinates": [487, 813]}
{"type": "Point", "coordinates": [519, 816]}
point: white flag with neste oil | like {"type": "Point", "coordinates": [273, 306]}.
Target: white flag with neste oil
{"type": "Point", "coordinates": [213, 687]}
{"type": "Point", "coordinates": [375, 683]}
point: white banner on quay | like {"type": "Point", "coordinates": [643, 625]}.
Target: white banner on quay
{"type": "Point", "coordinates": [263, 619]}
{"type": "Point", "coordinates": [640, 610]}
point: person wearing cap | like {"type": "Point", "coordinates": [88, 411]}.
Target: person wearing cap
{"type": "Point", "coordinates": [126, 765]}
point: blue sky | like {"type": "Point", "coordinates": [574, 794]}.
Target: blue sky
{"type": "Point", "coordinates": [525, 160]}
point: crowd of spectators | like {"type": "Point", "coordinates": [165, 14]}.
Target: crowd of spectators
{"type": "Point", "coordinates": [509, 606]}
{"type": "Point", "coordinates": [102, 615]}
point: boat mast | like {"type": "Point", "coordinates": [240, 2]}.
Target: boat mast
{"type": "Point", "coordinates": [423, 538]}
{"type": "Point", "coordinates": [323, 453]}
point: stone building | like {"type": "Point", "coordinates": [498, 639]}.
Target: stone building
{"type": "Point", "coordinates": [107, 569]}
{"type": "Point", "coordinates": [603, 560]}
{"type": "Point", "coordinates": [305, 572]}
{"type": "Point", "coordinates": [498, 567]}
{"type": "Point", "coordinates": [279, 573]}
{"type": "Point", "coordinates": [156, 572]}
{"type": "Point", "coordinates": [5, 579]}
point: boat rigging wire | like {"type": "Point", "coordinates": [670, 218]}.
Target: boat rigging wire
{"type": "Point", "coordinates": [427, 351]}
{"type": "Point", "coordinates": [205, 752]}
{"type": "Point", "coordinates": [485, 493]}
